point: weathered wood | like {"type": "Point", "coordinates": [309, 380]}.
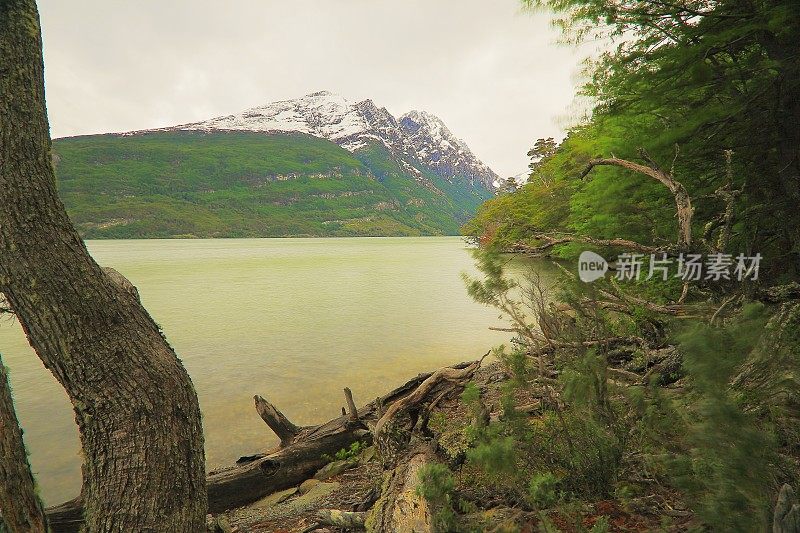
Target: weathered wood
{"type": "Point", "coordinates": [786, 518]}
{"type": "Point", "coordinates": [283, 468]}
{"type": "Point", "coordinates": [351, 405]}
{"type": "Point", "coordinates": [277, 421]}
{"type": "Point", "coordinates": [400, 508]}
{"type": "Point", "coordinates": [258, 475]}
{"type": "Point", "coordinates": [392, 433]}
{"type": "Point", "coordinates": [452, 374]}
{"type": "Point", "coordinates": [67, 517]}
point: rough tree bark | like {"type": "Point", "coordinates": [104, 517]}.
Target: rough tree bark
{"type": "Point", "coordinates": [255, 476]}
{"type": "Point", "coordinates": [134, 403]}
{"type": "Point", "coordinates": [401, 508]}
{"type": "Point", "coordinates": [20, 508]}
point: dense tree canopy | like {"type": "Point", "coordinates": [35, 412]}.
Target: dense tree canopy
{"type": "Point", "coordinates": [711, 89]}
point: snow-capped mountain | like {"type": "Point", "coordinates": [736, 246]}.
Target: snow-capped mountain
{"type": "Point", "coordinates": [417, 139]}
{"type": "Point", "coordinates": [448, 155]}
{"type": "Point", "coordinates": [519, 179]}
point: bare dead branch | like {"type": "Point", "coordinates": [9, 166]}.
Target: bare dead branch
{"type": "Point", "coordinates": [723, 306]}
{"type": "Point", "coordinates": [420, 393]}
{"type": "Point", "coordinates": [277, 421]}
{"type": "Point", "coordinates": [684, 293]}
{"type": "Point", "coordinates": [627, 300]}
{"type": "Point", "coordinates": [351, 405]}
{"type": "Point", "coordinates": [624, 375]}
{"type": "Point", "coordinates": [683, 201]}
{"type": "Point", "coordinates": [603, 342]}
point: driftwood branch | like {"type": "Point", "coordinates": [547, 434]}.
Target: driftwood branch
{"type": "Point", "coordinates": [351, 405]}
{"type": "Point", "coordinates": [394, 430]}
{"type": "Point", "coordinates": [420, 393]}
{"type": "Point", "coordinates": [258, 475]}
{"type": "Point", "coordinates": [277, 421]}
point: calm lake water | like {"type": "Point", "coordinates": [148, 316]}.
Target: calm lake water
{"type": "Point", "coordinates": [294, 320]}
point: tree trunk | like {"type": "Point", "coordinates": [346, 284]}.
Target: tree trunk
{"type": "Point", "coordinates": [400, 508]}
{"type": "Point", "coordinates": [135, 405]}
{"type": "Point", "coordinates": [20, 508]}
{"type": "Point", "coordinates": [255, 476]}
{"type": "Point", "coordinates": [783, 51]}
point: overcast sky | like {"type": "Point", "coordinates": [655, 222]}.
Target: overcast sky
{"type": "Point", "coordinates": [492, 72]}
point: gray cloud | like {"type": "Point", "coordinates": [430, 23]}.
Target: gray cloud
{"type": "Point", "coordinates": [490, 71]}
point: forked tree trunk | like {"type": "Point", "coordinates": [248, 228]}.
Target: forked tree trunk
{"type": "Point", "coordinates": [20, 508]}
{"type": "Point", "coordinates": [135, 405]}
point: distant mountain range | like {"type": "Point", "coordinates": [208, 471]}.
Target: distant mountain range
{"type": "Point", "coordinates": [314, 166]}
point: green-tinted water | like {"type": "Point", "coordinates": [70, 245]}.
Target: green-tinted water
{"type": "Point", "coordinates": [294, 320]}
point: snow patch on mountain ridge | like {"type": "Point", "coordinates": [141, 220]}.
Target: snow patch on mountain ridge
{"type": "Point", "coordinates": [417, 136]}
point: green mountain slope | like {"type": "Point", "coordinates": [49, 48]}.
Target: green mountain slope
{"type": "Point", "coordinates": [241, 184]}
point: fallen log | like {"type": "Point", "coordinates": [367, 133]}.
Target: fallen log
{"type": "Point", "coordinates": [401, 508]}
{"type": "Point", "coordinates": [297, 458]}
{"type": "Point", "coordinates": [392, 432]}
{"type": "Point", "coordinates": [255, 476]}
{"type": "Point", "coordinates": [287, 467]}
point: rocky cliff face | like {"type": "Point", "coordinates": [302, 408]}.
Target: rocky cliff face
{"type": "Point", "coordinates": [418, 141]}
{"type": "Point", "coordinates": [442, 151]}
